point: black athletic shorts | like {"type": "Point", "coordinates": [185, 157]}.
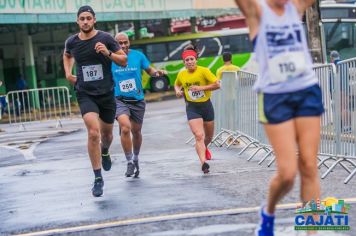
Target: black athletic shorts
{"type": "Point", "coordinates": [203, 110]}
{"type": "Point", "coordinates": [103, 104]}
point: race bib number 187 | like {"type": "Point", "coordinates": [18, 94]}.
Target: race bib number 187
{"type": "Point", "coordinates": [92, 73]}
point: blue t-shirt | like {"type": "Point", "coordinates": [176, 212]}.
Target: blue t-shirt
{"type": "Point", "coordinates": [128, 80]}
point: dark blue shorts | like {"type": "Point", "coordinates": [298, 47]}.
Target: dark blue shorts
{"type": "Point", "coordinates": [277, 108]}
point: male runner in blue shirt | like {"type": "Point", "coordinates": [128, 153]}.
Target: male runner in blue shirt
{"type": "Point", "coordinates": [130, 104]}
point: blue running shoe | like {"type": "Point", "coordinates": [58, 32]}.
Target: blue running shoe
{"type": "Point", "coordinates": [97, 189]}
{"type": "Point", "coordinates": [266, 224]}
{"type": "Point", "coordinates": [106, 161]}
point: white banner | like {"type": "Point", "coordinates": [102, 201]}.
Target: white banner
{"type": "Point", "coordinates": [71, 6]}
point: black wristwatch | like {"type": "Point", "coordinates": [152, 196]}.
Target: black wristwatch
{"type": "Point", "coordinates": [110, 52]}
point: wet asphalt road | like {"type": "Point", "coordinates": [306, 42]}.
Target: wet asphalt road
{"type": "Point", "coordinates": [45, 182]}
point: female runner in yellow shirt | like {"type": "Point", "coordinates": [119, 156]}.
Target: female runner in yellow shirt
{"type": "Point", "coordinates": [197, 83]}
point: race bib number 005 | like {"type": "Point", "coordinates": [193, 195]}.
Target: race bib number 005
{"type": "Point", "coordinates": [195, 95]}
{"type": "Point", "coordinates": [92, 73]}
{"type": "Point", "coordinates": [286, 66]}
{"type": "Point", "coordinates": [127, 85]}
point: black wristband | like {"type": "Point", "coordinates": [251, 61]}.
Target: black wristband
{"type": "Point", "coordinates": [110, 52]}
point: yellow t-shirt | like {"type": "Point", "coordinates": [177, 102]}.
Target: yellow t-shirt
{"type": "Point", "coordinates": [201, 76]}
{"type": "Point", "coordinates": [226, 68]}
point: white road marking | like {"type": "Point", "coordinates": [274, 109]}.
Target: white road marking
{"type": "Point", "coordinates": [154, 219]}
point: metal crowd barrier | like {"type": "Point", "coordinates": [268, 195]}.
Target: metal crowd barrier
{"type": "Point", "coordinates": [338, 135]}
{"type": "Point", "coordinates": [38, 105]}
{"type": "Point", "coordinates": [236, 117]}
{"type": "Point", "coordinates": [235, 106]}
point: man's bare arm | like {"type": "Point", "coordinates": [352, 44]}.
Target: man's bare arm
{"type": "Point", "coordinates": [68, 62]}
{"type": "Point", "coordinates": [119, 57]}
{"type": "Point", "coordinates": [247, 7]}
{"type": "Point", "coordinates": [252, 11]}
{"type": "Point", "coordinates": [155, 72]}
{"type": "Point", "coordinates": [303, 5]}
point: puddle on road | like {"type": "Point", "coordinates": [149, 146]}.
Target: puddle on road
{"type": "Point", "coordinates": [29, 142]}
{"type": "Point", "coordinates": [23, 146]}
{"type": "Point", "coordinates": [31, 173]}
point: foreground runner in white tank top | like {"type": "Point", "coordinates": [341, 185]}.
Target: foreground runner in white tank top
{"type": "Point", "coordinates": [290, 103]}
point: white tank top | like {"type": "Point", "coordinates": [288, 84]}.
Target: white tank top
{"type": "Point", "coordinates": [282, 52]}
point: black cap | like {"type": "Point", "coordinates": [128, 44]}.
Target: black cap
{"type": "Point", "coordinates": [85, 9]}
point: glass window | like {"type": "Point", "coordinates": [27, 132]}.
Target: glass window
{"type": "Point", "coordinates": [332, 13]}
{"type": "Point", "coordinates": [341, 37]}
{"type": "Point", "coordinates": [237, 43]}
{"type": "Point", "coordinates": [176, 48]}
{"type": "Point", "coordinates": [59, 62]}
{"type": "Point", "coordinates": [140, 48]}
{"type": "Point", "coordinates": [209, 47]}
{"type": "Point", "coordinates": [157, 52]}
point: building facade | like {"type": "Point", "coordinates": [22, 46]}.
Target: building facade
{"type": "Point", "coordinates": [32, 32]}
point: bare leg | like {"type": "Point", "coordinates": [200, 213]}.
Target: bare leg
{"type": "Point", "coordinates": [209, 132]}
{"type": "Point", "coordinates": [197, 128]}
{"type": "Point", "coordinates": [92, 123]}
{"type": "Point", "coordinates": [283, 139]}
{"type": "Point", "coordinates": [125, 127]}
{"type": "Point", "coordinates": [308, 135]}
{"type": "Point", "coordinates": [136, 136]}
{"type": "Point", "coordinates": [106, 134]}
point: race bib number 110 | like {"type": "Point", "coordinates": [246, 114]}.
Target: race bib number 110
{"type": "Point", "coordinates": [286, 66]}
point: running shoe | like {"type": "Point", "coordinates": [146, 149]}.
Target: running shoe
{"type": "Point", "coordinates": [266, 224]}
{"type": "Point", "coordinates": [97, 189]}
{"type": "Point", "coordinates": [207, 154]}
{"type": "Point", "coordinates": [130, 169]}
{"type": "Point", "coordinates": [106, 161]}
{"type": "Point", "coordinates": [205, 168]}
{"type": "Point", "coordinates": [137, 172]}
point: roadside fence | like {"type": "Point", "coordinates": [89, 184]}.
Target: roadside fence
{"type": "Point", "coordinates": [25, 106]}
{"type": "Point", "coordinates": [236, 117]}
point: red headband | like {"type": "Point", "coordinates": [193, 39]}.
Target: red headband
{"type": "Point", "coordinates": [188, 53]}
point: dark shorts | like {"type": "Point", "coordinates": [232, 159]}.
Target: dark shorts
{"type": "Point", "coordinates": [103, 104]}
{"type": "Point", "coordinates": [135, 110]}
{"type": "Point", "coordinates": [203, 110]}
{"type": "Point", "coordinates": [278, 108]}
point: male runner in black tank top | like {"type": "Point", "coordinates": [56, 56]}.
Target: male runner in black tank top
{"type": "Point", "coordinates": [93, 51]}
